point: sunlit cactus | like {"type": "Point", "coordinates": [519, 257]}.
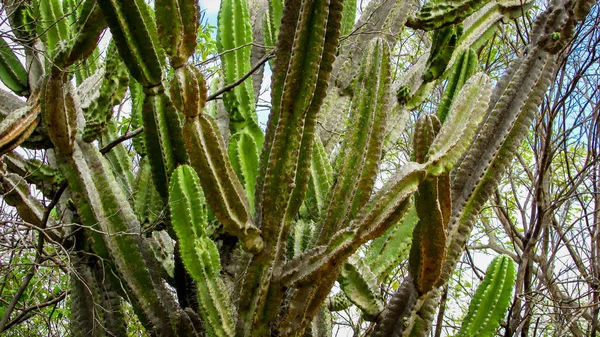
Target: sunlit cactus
{"type": "Point", "coordinates": [247, 235]}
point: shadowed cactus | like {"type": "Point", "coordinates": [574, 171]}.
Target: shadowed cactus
{"type": "Point", "coordinates": [263, 225]}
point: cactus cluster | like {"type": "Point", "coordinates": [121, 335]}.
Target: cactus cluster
{"type": "Point", "coordinates": [254, 231]}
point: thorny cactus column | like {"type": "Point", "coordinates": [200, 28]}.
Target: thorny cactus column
{"type": "Point", "coordinates": [256, 231]}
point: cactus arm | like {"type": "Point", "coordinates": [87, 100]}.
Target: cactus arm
{"type": "Point", "coordinates": [163, 137]}
{"type": "Point", "coordinates": [199, 253]}
{"type": "Point", "coordinates": [464, 68]}
{"type": "Point", "coordinates": [320, 180]}
{"type": "Point", "coordinates": [361, 287]}
{"type": "Point", "coordinates": [520, 94]}
{"type": "Point", "coordinates": [437, 14]}
{"type": "Point", "coordinates": [465, 115]}
{"type": "Point", "coordinates": [363, 135]}
{"type": "Point", "coordinates": [491, 300]}
{"type": "Point", "coordinates": [12, 72]}
{"type": "Point", "coordinates": [428, 248]}
{"type": "Point", "coordinates": [111, 93]}
{"type": "Point", "coordinates": [224, 193]}
{"type": "Point", "coordinates": [60, 112]}
{"type": "Point", "coordinates": [109, 211]}
{"type": "Point", "coordinates": [271, 22]}
{"type": "Point", "coordinates": [18, 126]}
{"type": "Point", "coordinates": [86, 34]}
{"type": "Point", "coordinates": [139, 47]}
{"type": "Point", "coordinates": [244, 159]}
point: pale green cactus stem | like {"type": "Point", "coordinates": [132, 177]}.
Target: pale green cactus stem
{"type": "Point", "coordinates": [112, 90]}
{"type": "Point", "coordinates": [491, 300]}
{"type": "Point", "coordinates": [437, 14]}
{"type": "Point", "coordinates": [361, 287]}
{"type": "Point", "coordinates": [360, 153]}
{"type": "Point", "coordinates": [465, 66]}
{"type": "Point", "coordinates": [198, 252]}
{"type": "Point", "coordinates": [12, 72]}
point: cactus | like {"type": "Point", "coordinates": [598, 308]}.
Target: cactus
{"type": "Point", "coordinates": [491, 300]}
{"type": "Point", "coordinates": [199, 253]}
{"type": "Point", "coordinates": [260, 227]}
{"type": "Point", "coordinates": [12, 73]}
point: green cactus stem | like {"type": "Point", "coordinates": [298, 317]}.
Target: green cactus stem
{"type": "Point", "coordinates": [437, 14]}
{"type": "Point", "coordinates": [304, 56]}
{"type": "Point", "coordinates": [491, 300]}
{"type": "Point", "coordinates": [271, 22]}
{"type": "Point", "coordinates": [224, 193]}
{"type": "Point", "coordinates": [12, 72]}
{"type": "Point", "coordinates": [198, 252]}
{"type": "Point", "coordinates": [178, 22]}
{"type": "Point", "coordinates": [465, 66]}
{"type": "Point", "coordinates": [111, 93]}
{"type": "Point", "coordinates": [52, 25]}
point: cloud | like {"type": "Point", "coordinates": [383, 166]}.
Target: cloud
{"type": "Point", "coordinates": [211, 6]}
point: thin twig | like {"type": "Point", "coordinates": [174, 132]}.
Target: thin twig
{"type": "Point", "coordinates": [121, 139]}
{"type": "Point", "coordinates": [242, 79]}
